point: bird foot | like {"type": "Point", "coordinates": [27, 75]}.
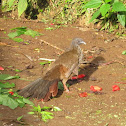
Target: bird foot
{"type": "Point", "coordinates": [38, 100]}
{"type": "Point", "coordinates": [68, 91]}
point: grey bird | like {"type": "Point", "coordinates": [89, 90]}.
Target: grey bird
{"type": "Point", "coordinates": [62, 69]}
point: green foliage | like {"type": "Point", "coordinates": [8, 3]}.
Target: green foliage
{"type": "Point", "coordinates": [6, 85]}
{"type": "Point", "coordinates": [20, 31]}
{"type": "Point", "coordinates": [19, 118]}
{"type": "Point", "coordinates": [95, 15]}
{"type": "Point", "coordinates": [9, 5]}
{"type": "Point", "coordinates": [124, 52]}
{"type": "Point", "coordinates": [60, 11]}
{"type": "Point", "coordinates": [22, 6]}
{"type": "Point", "coordinates": [93, 4]}
{"type": "Point", "coordinates": [7, 77]}
{"type": "Point", "coordinates": [49, 28]}
{"type": "Point", "coordinates": [44, 113]}
{"type": "Point", "coordinates": [18, 39]}
{"type": "Point", "coordinates": [64, 11]}
{"type": "Point", "coordinates": [8, 101]}
{"type": "Point", "coordinates": [17, 70]}
{"type": "Point", "coordinates": [32, 33]}
{"type": "Point", "coordinates": [109, 11]}
{"type": "Point", "coordinates": [60, 85]}
{"type": "Point", "coordinates": [43, 63]}
{"type": "Point", "coordinates": [8, 97]}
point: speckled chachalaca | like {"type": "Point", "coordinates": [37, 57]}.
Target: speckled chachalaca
{"type": "Point", "coordinates": [66, 65]}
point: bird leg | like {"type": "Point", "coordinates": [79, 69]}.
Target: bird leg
{"type": "Point", "coordinates": [64, 85]}
{"type": "Point", "coordinates": [74, 69]}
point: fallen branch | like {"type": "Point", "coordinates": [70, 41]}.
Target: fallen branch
{"type": "Point", "coordinates": [52, 45]}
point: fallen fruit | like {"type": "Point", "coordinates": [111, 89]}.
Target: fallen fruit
{"type": "Point", "coordinates": [1, 68]}
{"type": "Point", "coordinates": [115, 88]}
{"type": "Point", "coordinates": [11, 92]}
{"type": "Point", "coordinates": [83, 94]}
{"type": "Point", "coordinates": [81, 76]}
{"type": "Point", "coordinates": [90, 57]}
{"type": "Point", "coordinates": [95, 88]}
{"type": "Point", "coordinates": [51, 24]}
{"type": "Point", "coordinates": [78, 77]}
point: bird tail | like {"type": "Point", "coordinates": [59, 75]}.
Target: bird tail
{"type": "Point", "coordinates": [40, 89]}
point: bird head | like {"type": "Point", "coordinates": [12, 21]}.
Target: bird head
{"type": "Point", "coordinates": [77, 41]}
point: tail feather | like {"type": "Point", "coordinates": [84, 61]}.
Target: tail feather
{"type": "Point", "coordinates": [54, 89]}
{"type": "Point", "coordinates": [47, 97]}
{"type": "Point", "coordinates": [40, 89]}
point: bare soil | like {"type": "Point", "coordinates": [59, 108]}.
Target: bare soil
{"type": "Point", "coordinates": [107, 67]}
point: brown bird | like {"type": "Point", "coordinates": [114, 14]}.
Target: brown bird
{"type": "Point", "coordinates": [62, 69]}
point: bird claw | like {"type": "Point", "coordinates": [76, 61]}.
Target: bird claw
{"type": "Point", "coordinates": [42, 100]}
{"type": "Point", "coordinates": [67, 91]}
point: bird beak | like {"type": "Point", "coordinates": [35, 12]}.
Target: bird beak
{"type": "Point", "coordinates": [82, 42]}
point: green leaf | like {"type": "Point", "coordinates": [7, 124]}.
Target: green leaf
{"type": "Point", "coordinates": [26, 43]}
{"type": "Point", "coordinates": [7, 77]}
{"type": "Point", "coordinates": [20, 102]}
{"type": "Point", "coordinates": [107, 1]}
{"type": "Point", "coordinates": [49, 28]}
{"type": "Point", "coordinates": [32, 33]}
{"type": "Point", "coordinates": [18, 39]}
{"type": "Point", "coordinates": [2, 90]}
{"type": "Point", "coordinates": [43, 63]}
{"type": "Point", "coordinates": [19, 118]}
{"type": "Point", "coordinates": [7, 85]}
{"type": "Point", "coordinates": [60, 85]}
{"type": "Point", "coordinates": [122, 19]}
{"type": "Point", "coordinates": [28, 101]}
{"type": "Point", "coordinates": [46, 116]}
{"type": "Point", "coordinates": [124, 52]}
{"type": "Point", "coordinates": [95, 15]}
{"type": "Point", "coordinates": [31, 113]}
{"type": "Point", "coordinates": [2, 97]}
{"type": "Point", "coordinates": [37, 109]}
{"type": "Point", "coordinates": [118, 6]}
{"type": "Point", "coordinates": [46, 108]}
{"type": "Point", "coordinates": [93, 4]}
{"type": "Point", "coordinates": [13, 34]}
{"type": "Point", "coordinates": [17, 70]}
{"type": "Point", "coordinates": [19, 29]}
{"type": "Point", "coordinates": [22, 6]}
{"type": "Point", "coordinates": [104, 9]}
{"type": "Point", "coordinates": [10, 3]}
{"type": "Point", "coordinates": [8, 101]}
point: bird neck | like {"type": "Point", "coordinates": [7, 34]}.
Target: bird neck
{"type": "Point", "coordinates": [79, 51]}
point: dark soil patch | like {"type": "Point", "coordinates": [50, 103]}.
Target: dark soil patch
{"type": "Point", "coordinates": [106, 109]}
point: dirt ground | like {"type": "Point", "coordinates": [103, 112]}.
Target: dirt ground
{"type": "Point", "coordinates": [103, 109]}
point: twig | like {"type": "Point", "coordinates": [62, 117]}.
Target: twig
{"type": "Point", "coordinates": [52, 45]}
{"type": "Point", "coordinates": [19, 52]}
{"type": "Point", "coordinates": [46, 59]}
{"type": "Point", "coordinates": [4, 44]}
{"type": "Point", "coordinates": [104, 64]}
